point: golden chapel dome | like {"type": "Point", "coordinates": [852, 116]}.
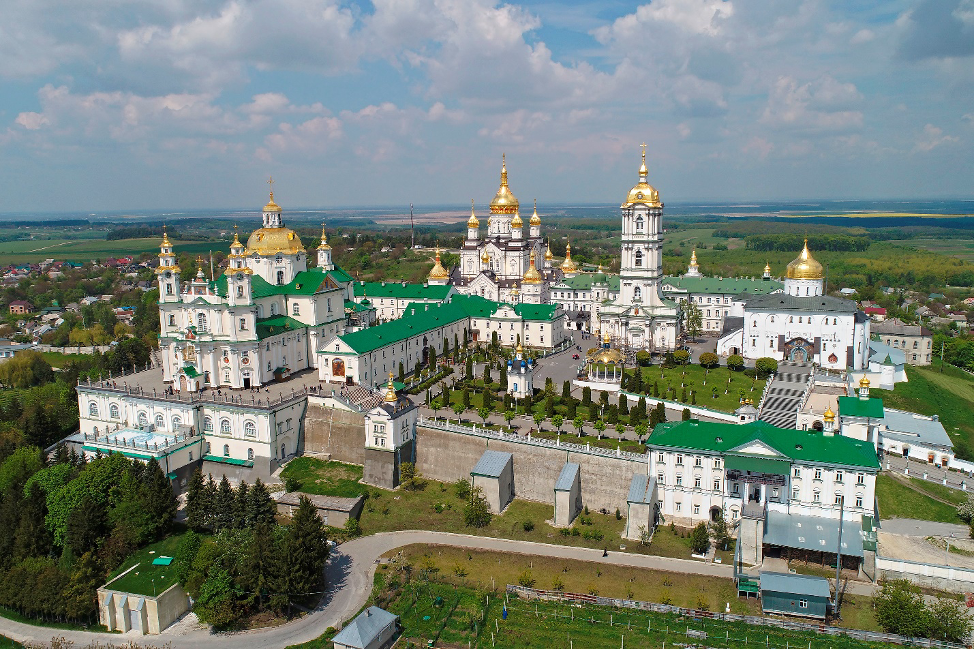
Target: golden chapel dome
{"type": "Point", "coordinates": [804, 267]}
{"type": "Point", "coordinates": [568, 266]}
{"type": "Point", "coordinates": [642, 192]}
{"type": "Point", "coordinates": [535, 219]}
{"type": "Point", "coordinates": [438, 272]}
{"type": "Point", "coordinates": [271, 206]}
{"type": "Point", "coordinates": [516, 222]}
{"type": "Point", "coordinates": [473, 221]}
{"type": "Point", "coordinates": [829, 416]}
{"type": "Point", "coordinates": [548, 255]}
{"type": "Point", "coordinates": [504, 202]}
{"type": "Point", "coordinates": [270, 241]}
{"type": "Point", "coordinates": [531, 276]}
{"type": "Point", "coordinates": [864, 382]}
{"type": "Point", "coordinates": [323, 246]}
{"type": "Point", "coordinates": [767, 268]}
{"type": "Point", "coordinates": [390, 391]}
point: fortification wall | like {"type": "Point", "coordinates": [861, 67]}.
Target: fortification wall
{"type": "Point", "coordinates": [336, 431]}
{"type": "Point", "coordinates": [448, 456]}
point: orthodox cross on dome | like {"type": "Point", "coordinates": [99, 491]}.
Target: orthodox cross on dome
{"type": "Point", "coordinates": [270, 181]}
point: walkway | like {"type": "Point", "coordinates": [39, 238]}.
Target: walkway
{"type": "Point", "coordinates": [350, 573]}
{"type": "Point", "coordinates": [784, 398]}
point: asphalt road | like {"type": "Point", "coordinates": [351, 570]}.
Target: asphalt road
{"type": "Point", "coordinates": [349, 572]}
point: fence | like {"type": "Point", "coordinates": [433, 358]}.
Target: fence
{"type": "Point", "coordinates": [529, 440]}
{"type": "Point", "coordinates": [925, 570]}
{"type": "Point", "coordinates": [798, 626]}
{"type": "Point", "coordinates": [695, 411]}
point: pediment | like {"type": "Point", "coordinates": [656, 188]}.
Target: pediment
{"type": "Point", "coordinates": [757, 448]}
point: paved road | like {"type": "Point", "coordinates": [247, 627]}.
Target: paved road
{"type": "Point", "coordinates": [350, 572]}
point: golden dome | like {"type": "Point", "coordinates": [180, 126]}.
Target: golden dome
{"type": "Point", "coordinates": [485, 258]}
{"type": "Point", "coordinates": [270, 241]}
{"type": "Point", "coordinates": [693, 257]}
{"type": "Point", "coordinates": [568, 266]}
{"type": "Point", "coordinates": [829, 416]}
{"type": "Point", "coordinates": [643, 192]}
{"type": "Point", "coordinates": [864, 382]}
{"type": "Point", "coordinates": [532, 276]}
{"type": "Point", "coordinates": [391, 391]}
{"type": "Point", "coordinates": [804, 267]}
{"type": "Point", "coordinates": [438, 272]}
{"type": "Point", "coordinates": [535, 219]}
{"type": "Point", "coordinates": [520, 350]}
{"type": "Point", "coordinates": [473, 221]}
{"type": "Point", "coordinates": [548, 254]}
{"type": "Point", "coordinates": [514, 291]}
{"type": "Point", "coordinates": [516, 222]}
{"type": "Point", "coordinates": [504, 201]}
{"type": "Point", "coordinates": [605, 337]}
{"type": "Point", "coordinates": [767, 269]}
{"type": "Point", "coordinates": [165, 237]}
{"type": "Point", "coordinates": [323, 246]}
{"type": "Point", "coordinates": [271, 206]}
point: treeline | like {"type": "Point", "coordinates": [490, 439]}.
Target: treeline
{"type": "Point", "coordinates": [139, 232]}
{"type": "Point", "coordinates": [794, 242]}
{"type": "Point", "coordinates": [250, 564]}
{"type": "Point", "coordinates": [65, 525]}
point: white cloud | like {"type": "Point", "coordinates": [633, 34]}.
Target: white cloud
{"type": "Point", "coordinates": [819, 105]}
{"type": "Point", "coordinates": [862, 36]}
{"type": "Point", "coordinates": [31, 121]}
{"type": "Point", "coordinates": [932, 137]}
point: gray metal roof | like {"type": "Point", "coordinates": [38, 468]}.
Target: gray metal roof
{"type": "Point", "coordinates": [814, 304]}
{"type": "Point", "coordinates": [641, 489]}
{"type": "Point", "coordinates": [364, 628]}
{"type": "Point", "coordinates": [492, 463]}
{"type": "Point", "coordinates": [813, 533]}
{"type": "Point", "coordinates": [793, 583]}
{"type": "Point", "coordinates": [907, 427]}
{"type": "Point", "coordinates": [566, 480]}
{"type": "Point", "coordinates": [878, 351]}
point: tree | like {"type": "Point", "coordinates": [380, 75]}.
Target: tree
{"type": "Point", "coordinates": [186, 552]}
{"type": "Point", "coordinates": [402, 373]}
{"type": "Point", "coordinates": [487, 378]}
{"type": "Point", "coordinates": [949, 620]}
{"type": "Point", "coordinates": [577, 423]}
{"type": "Point", "coordinates": [161, 501]}
{"type": "Point", "coordinates": [538, 419]}
{"type": "Point", "coordinates": [458, 410]}
{"type": "Point", "coordinates": [196, 506]}
{"type": "Point", "coordinates": [623, 405]}
{"type": "Point", "coordinates": [87, 526]}
{"type": "Point", "coordinates": [549, 406]}
{"type": "Point", "coordinates": [765, 366]}
{"type": "Point", "coordinates": [468, 370]}
{"type": "Point", "coordinates": [692, 318]}
{"type": "Point", "coordinates": [685, 415]}
{"type": "Point", "coordinates": [709, 360]}
{"type": "Point", "coordinates": [644, 358]}
{"type": "Point", "coordinates": [19, 466]}
{"type": "Point", "coordinates": [572, 409]}
{"type": "Point", "coordinates": [487, 398]}
{"type": "Point", "coordinates": [612, 414]}
{"type": "Point", "coordinates": [600, 427]}
{"type": "Point", "coordinates": [241, 507]}
{"type": "Point", "coordinates": [586, 396]}
{"type": "Point", "coordinates": [719, 532]}
{"type": "Point", "coordinates": [304, 551]}
{"type": "Point", "coordinates": [700, 539]}
{"type": "Point", "coordinates": [262, 507]}
{"type": "Point", "coordinates": [558, 421]}
{"type": "Point", "coordinates": [620, 429]}
{"type": "Point", "coordinates": [223, 506]}
{"type": "Point", "coordinates": [503, 377]}
{"type": "Point", "coordinates": [660, 412]}
{"type": "Point", "coordinates": [900, 609]}
{"type": "Point", "coordinates": [477, 511]}
{"type": "Point", "coordinates": [681, 357]}
{"type": "Point", "coordinates": [735, 362]}
{"type": "Point", "coordinates": [432, 358]}
{"type": "Point", "coordinates": [259, 570]}
{"type": "Point", "coordinates": [26, 369]}
{"type": "Point", "coordinates": [462, 489]}
{"type": "Point", "coordinates": [566, 389]}
{"type": "Point", "coordinates": [80, 596]}
{"type": "Point", "coordinates": [508, 416]}
{"type": "Point", "coordinates": [484, 413]}
{"type": "Point", "coordinates": [549, 387]}
{"type": "Point", "coordinates": [465, 398]}
{"type": "Point", "coordinates": [641, 430]}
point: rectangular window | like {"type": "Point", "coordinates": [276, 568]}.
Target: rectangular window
{"type": "Point", "coordinates": [659, 479]}
{"type": "Point", "coordinates": [818, 474]}
{"type": "Point", "coordinates": [716, 485]}
{"type": "Point", "coordinates": [794, 494]}
{"type": "Point", "coordinates": [295, 310]}
{"type": "Point", "coordinates": [660, 458]}
{"type": "Point", "coordinates": [716, 463]}
{"type": "Point", "coordinates": [679, 506]}
{"type": "Point", "coordinates": [803, 603]}
{"type": "Point", "coordinates": [679, 479]}
{"type": "Point", "coordinates": [698, 462]}
{"type": "Point", "coordinates": [679, 459]}
{"type": "Point", "coordinates": [696, 509]}
{"type": "Point", "coordinates": [243, 324]}
{"type": "Point", "coordinates": [858, 500]}
{"type": "Point", "coordinates": [838, 477]}
{"type": "Point", "coordinates": [697, 482]}
{"type": "Point", "coordinates": [860, 479]}
{"type": "Point", "coordinates": [797, 473]}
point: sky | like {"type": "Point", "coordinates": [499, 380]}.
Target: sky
{"type": "Point", "coordinates": [192, 104]}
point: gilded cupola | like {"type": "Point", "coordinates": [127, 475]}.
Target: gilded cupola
{"type": "Point", "coordinates": [804, 267]}
{"type": "Point", "coordinates": [473, 221]}
{"type": "Point", "coordinates": [642, 192]}
{"type": "Point", "coordinates": [548, 254]}
{"type": "Point", "coordinates": [568, 266]}
{"type": "Point", "coordinates": [323, 246]}
{"type": "Point", "coordinates": [504, 202]}
{"type": "Point", "coordinates": [391, 391]}
{"type": "Point", "coordinates": [532, 276]}
{"type": "Point", "coordinates": [274, 237]}
{"type": "Point", "coordinates": [535, 219]}
{"type": "Point", "coordinates": [438, 272]}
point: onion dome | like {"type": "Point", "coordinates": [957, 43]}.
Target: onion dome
{"type": "Point", "coordinates": [767, 269]}
{"type": "Point", "coordinates": [391, 391]}
{"type": "Point", "coordinates": [165, 237]}
{"type": "Point", "coordinates": [514, 291]}
{"type": "Point", "coordinates": [270, 241]}
{"type": "Point", "coordinates": [605, 337]}
{"type": "Point", "coordinates": [693, 258]}
{"type": "Point", "coordinates": [547, 254]}
{"type": "Point", "coordinates": [520, 350]}
{"type": "Point", "coordinates": [473, 221]}
{"type": "Point", "coordinates": [485, 258]}
{"type": "Point", "coordinates": [829, 416]}
{"type": "Point", "coordinates": [504, 201]}
{"type": "Point", "coordinates": [642, 192]}
{"type": "Point", "coordinates": [568, 266]}
{"type": "Point", "coordinates": [864, 382]}
{"type": "Point", "coordinates": [532, 276]}
{"type": "Point", "coordinates": [323, 246]}
{"type": "Point", "coordinates": [535, 219]}
{"type": "Point", "coordinates": [438, 272]}
{"type": "Point", "coordinates": [199, 268]}
{"type": "Point", "coordinates": [804, 267]}
{"type": "Point", "coordinates": [516, 222]}
{"type": "Point", "coordinates": [271, 206]}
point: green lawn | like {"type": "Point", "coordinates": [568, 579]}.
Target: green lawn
{"type": "Point", "coordinates": [6, 642]}
{"type": "Point", "coordinates": [694, 377]}
{"type": "Point", "coordinates": [328, 478]}
{"type": "Point", "coordinates": [81, 250]}
{"type": "Point", "coordinates": [942, 492]}
{"type": "Point", "coordinates": [147, 578]}
{"type": "Point", "coordinates": [897, 500]}
{"type": "Point", "coordinates": [949, 394]}
{"type": "Point", "coordinates": [58, 360]}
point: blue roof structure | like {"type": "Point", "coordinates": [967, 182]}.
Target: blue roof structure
{"type": "Point", "coordinates": [492, 463]}
{"type": "Point", "coordinates": [566, 480]}
{"type": "Point", "coordinates": [364, 628]}
{"type": "Point", "coordinates": [813, 533]}
{"type": "Point", "coordinates": [794, 583]}
{"type": "Point", "coordinates": [912, 428]}
{"type": "Point", "coordinates": [641, 489]}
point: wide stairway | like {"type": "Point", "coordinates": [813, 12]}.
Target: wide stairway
{"type": "Point", "coordinates": [362, 397]}
{"type": "Point", "coordinates": [784, 398]}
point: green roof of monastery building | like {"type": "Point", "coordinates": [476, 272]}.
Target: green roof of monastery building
{"type": "Point", "coordinates": [725, 286]}
{"type": "Point", "coordinates": [401, 290]}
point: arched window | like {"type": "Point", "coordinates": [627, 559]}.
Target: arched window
{"type": "Point", "coordinates": [240, 291]}
{"type": "Point", "coordinates": [280, 277]}
{"type": "Point", "coordinates": [176, 421]}
{"type": "Point", "coordinates": [639, 258]}
{"type": "Point", "coordinates": [113, 411]}
{"type": "Point", "coordinates": [226, 450]}
{"type": "Point", "coordinates": [172, 319]}
{"type": "Point", "coordinates": [640, 224]}
{"type": "Point", "coordinates": [835, 321]}
{"type": "Point", "coordinates": [754, 324]}
{"type": "Point", "coordinates": [224, 426]}
{"type": "Point", "coordinates": [772, 319]}
{"type": "Point", "coordinates": [207, 423]}
{"type": "Point", "coordinates": [250, 453]}
{"type": "Point", "coordinates": [799, 319]}
{"type": "Point", "coordinates": [92, 409]}
{"type": "Point", "coordinates": [637, 293]}
{"type": "Point", "coordinates": [143, 419]}
{"type": "Point", "coordinates": [201, 322]}
{"type": "Point", "coordinates": [160, 422]}
{"type": "Point", "coordinates": [250, 429]}
{"type": "Point", "coordinates": [791, 319]}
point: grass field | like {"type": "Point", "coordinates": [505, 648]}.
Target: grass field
{"type": "Point", "coordinates": [694, 377]}
{"type": "Point", "coordinates": [949, 394]}
{"type": "Point", "coordinates": [58, 360]}
{"type": "Point", "coordinates": [81, 250]}
{"type": "Point", "coordinates": [959, 248]}
{"type": "Point", "coordinates": [942, 492]}
{"type": "Point", "coordinates": [148, 579]}
{"type": "Point", "coordinates": [6, 642]}
{"type": "Point", "coordinates": [328, 478]}
{"type": "Point", "coordinates": [897, 500]}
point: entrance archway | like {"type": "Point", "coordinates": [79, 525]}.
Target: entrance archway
{"type": "Point", "coordinates": [716, 513]}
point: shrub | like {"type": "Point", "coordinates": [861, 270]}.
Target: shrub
{"type": "Point", "coordinates": [477, 513]}
{"type": "Point", "coordinates": [765, 366]}
{"type": "Point", "coordinates": [735, 362]}
{"type": "Point", "coordinates": [681, 357]}
{"type": "Point", "coordinates": [292, 484]}
{"type": "Point", "coordinates": [462, 489]}
{"type": "Point", "coordinates": [565, 532]}
{"type": "Point", "coordinates": [528, 526]}
{"type": "Point", "coordinates": [618, 514]}
{"type": "Point", "coordinates": [643, 358]}
{"type": "Point", "coordinates": [700, 539]}
{"type": "Point", "coordinates": [709, 360]}
{"type": "Point", "coordinates": [526, 579]}
{"type": "Point", "coordinates": [557, 584]}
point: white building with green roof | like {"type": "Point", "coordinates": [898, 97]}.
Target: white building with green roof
{"type": "Point", "coordinates": [390, 299]}
{"type": "Point", "coordinates": [716, 297]}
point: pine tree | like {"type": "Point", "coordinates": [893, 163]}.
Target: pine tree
{"type": "Point", "coordinates": [604, 398]}
{"type": "Point", "coordinates": [32, 538]}
{"type": "Point", "coordinates": [209, 500]}
{"type": "Point", "coordinates": [80, 600]}
{"type": "Point", "coordinates": [223, 506]}
{"type": "Point", "coordinates": [572, 410]}
{"type": "Point", "coordinates": [162, 502]}
{"type": "Point", "coordinates": [241, 506]}
{"type": "Point", "coordinates": [549, 406]}
{"type": "Point", "coordinates": [488, 398]}
{"type": "Point", "coordinates": [445, 350]}
{"type": "Point", "coordinates": [262, 507]}
{"type": "Point", "coordinates": [304, 552]}
{"type": "Point", "coordinates": [456, 346]}
{"type": "Point", "coordinates": [260, 568]}
{"type": "Point", "coordinates": [661, 412]}
{"type": "Point", "coordinates": [623, 405]}
{"type": "Point", "coordinates": [566, 389]}
{"type": "Point", "coordinates": [87, 525]}
{"type": "Point", "coordinates": [586, 396]}
{"type": "Point", "coordinates": [487, 378]}
{"type": "Point", "coordinates": [468, 371]}
{"type": "Point", "coordinates": [503, 379]}
{"type": "Point", "coordinates": [402, 372]}
{"type": "Point", "coordinates": [549, 387]}
{"type": "Point", "coordinates": [432, 358]}
{"type": "Point", "coordinates": [465, 398]}
{"type": "Point", "coordinates": [196, 506]}
{"type": "Point", "coordinates": [637, 381]}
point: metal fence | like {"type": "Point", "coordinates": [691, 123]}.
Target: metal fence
{"type": "Point", "coordinates": [782, 624]}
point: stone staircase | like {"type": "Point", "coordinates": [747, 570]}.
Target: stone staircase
{"type": "Point", "coordinates": [784, 397]}
{"type": "Point", "coordinates": [362, 397]}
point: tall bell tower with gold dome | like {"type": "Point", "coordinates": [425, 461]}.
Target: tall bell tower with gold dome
{"type": "Point", "coordinates": [275, 252]}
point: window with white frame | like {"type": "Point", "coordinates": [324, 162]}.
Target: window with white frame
{"type": "Point", "coordinates": [679, 459]}
{"type": "Point", "coordinates": [860, 479]}
{"type": "Point", "coordinates": [716, 485]}
{"type": "Point", "coordinates": [207, 423]}
{"type": "Point", "coordinates": [113, 411]}
{"type": "Point", "coordinates": [818, 474]}
{"type": "Point", "coordinates": [225, 426]}
{"type": "Point", "coordinates": [838, 476]}
{"type": "Point", "coordinates": [858, 500]}
{"type": "Point", "coordinates": [696, 509]}
{"type": "Point", "coordinates": [679, 506]}
{"type": "Point", "coordinates": [250, 429]}
{"type": "Point", "coordinates": [92, 409]}
{"type": "Point", "coordinates": [796, 473]}
{"type": "Point", "coordinates": [660, 479]}
{"type": "Point", "coordinates": [697, 482]}
{"type": "Point", "coordinates": [679, 479]}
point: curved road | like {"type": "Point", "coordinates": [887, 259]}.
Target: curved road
{"type": "Point", "coordinates": [350, 572]}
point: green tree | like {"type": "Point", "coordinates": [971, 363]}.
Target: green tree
{"type": "Point", "coordinates": [900, 609]}
{"type": "Point", "coordinates": [436, 405]}
{"type": "Point", "coordinates": [487, 378]}
{"type": "Point", "coordinates": [87, 526]}
{"type": "Point", "coordinates": [692, 318]}
{"type": "Point", "coordinates": [19, 466]}
{"type": "Point", "coordinates": [508, 416]}
{"type": "Point", "coordinates": [735, 362]}
{"type": "Point", "coordinates": [549, 406]}
{"type": "Point", "coordinates": [643, 358]}
{"type": "Point", "coordinates": [566, 390]}
{"type": "Point", "coordinates": [241, 506]}
{"type": "Point", "coordinates": [223, 506]}
{"type": "Point", "coordinates": [577, 423]}
{"type": "Point", "coordinates": [161, 501]}
{"type": "Point", "coordinates": [196, 506]}
{"type": "Point", "coordinates": [487, 398]}
{"type": "Point", "coordinates": [186, 552]}
{"type": "Point", "coordinates": [571, 410]}
{"type": "Point", "coordinates": [465, 398]}
{"type": "Point", "coordinates": [26, 369]}
{"type": "Point", "coordinates": [686, 415]}
{"type": "Point", "coordinates": [600, 427]}
{"type": "Point", "coordinates": [484, 413]}
{"type": "Point", "coordinates": [462, 489]}
{"type": "Point", "coordinates": [476, 512]}
{"type": "Point", "coordinates": [949, 620]}
{"type": "Point", "coordinates": [641, 430]}
{"type": "Point", "coordinates": [80, 594]}
{"type": "Point", "coordinates": [681, 357]}
{"type": "Point", "coordinates": [402, 373]}
{"type": "Point", "coordinates": [458, 410]}
{"type": "Point", "coordinates": [700, 539]}
{"type": "Point", "coordinates": [262, 507]}
{"type": "Point", "coordinates": [304, 551]}
{"type": "Point", "coordinates": [620, 429]}
{"type": "Point", "coordinates": [503, 377]}
{"type": "Point", "coordinates": [612, 414]}
{"type": "Point", "coordinates": [586, 396]}
{"type": "Point", "coordinates": [260, 568]}
{"type": "Point", "coordinates": [538, 419]}
{"type": "Point", "coordinates": [558, 421]}
{"type": "Point", "coordinates": [719, 533]}
{"type": "Point", "coordinates": [604, 398]}
{"type": "Point", "coordinates": [623, 405]}
{"type": "Point", "coordinates": [765, 366]}
{"type": "Point", "coordinates": [468, 370]}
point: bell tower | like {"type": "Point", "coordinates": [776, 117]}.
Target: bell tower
{"type": "Point", "coordinates": [238, 275]}
{"type": "Point", "coordinates": [324, 252]}
{"type": "Point", "coordinates": [167, 272]}
{"type": "Point", "coordinates": [642, 264]}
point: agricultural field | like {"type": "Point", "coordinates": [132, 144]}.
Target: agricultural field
{"type": "Point", "coordinates": [959, 248]}
{"type": "Point", "coordinates": [83, 250]}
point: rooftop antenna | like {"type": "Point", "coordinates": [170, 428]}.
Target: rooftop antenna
{"type": "Point", "coordinates": [412, 227]}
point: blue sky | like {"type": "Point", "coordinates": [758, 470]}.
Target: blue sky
{"type": "Point", "coordinates": [181, 104]}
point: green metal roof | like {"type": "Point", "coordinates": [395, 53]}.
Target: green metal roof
{"type": "Point", "coordinates": [226, 460]}
{"type": "Point", "coordinates": [796, 445]}
{"type": "Point", "coordinates": [412, 323]}
{"type": "Point", "coordinates": [358, 306]}
{"type": "Point", "coordinates": [584, 281]}
{"type": "Point", "coordinates": [757, 465]}
{"type": "Point", "coordinates": [305, 283]}
{"type": "Point", "coordinates": [401, 290]}
{"type": "Point", "coordinates": [733, 286]}
{"type": "Point", "coordinates": [191, 371]}
{"type": "Point", "coordinates": [536, 312]}
{"type": "Point", "coordinates": [475, 306]}
{"type": "Point", "coordinates": [860, 408]}
{"type": "Point", "coordinates": [276, 325]}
